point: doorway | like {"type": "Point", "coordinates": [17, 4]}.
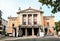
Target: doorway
{"type": "Point", "coordinates": [36, 31]}
{"type": "Point", "coordinates": [46, 31]}
{"type": "Point", "coordinates": [23, 31]}
{"type": "Point", "coordinates": [29, 31]}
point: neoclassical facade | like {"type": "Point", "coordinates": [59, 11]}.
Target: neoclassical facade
{"type": "Point", "coordinates": [29, 22]}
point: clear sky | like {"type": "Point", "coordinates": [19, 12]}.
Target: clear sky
{"type": "Point", "coordinates": [10, 7]}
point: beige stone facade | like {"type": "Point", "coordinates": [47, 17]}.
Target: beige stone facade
{"type": "Point", "coordinates": [30, 21]}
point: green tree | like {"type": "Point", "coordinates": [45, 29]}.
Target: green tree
{"type": "Point", "coordinates": [0, 17]}
{"type": "Point", "coordinates": [20, 31]}
{"type": "Point", "coordinates": [4, 30]}
{"type": "Point", "coordinates": [53, 3]}
{"type": "Point", "coordinates": [57, 26]}
{"type": "Point", "coordinates": [0, 14]}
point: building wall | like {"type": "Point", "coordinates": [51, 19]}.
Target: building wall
{"type": "Point", "coordinates": [18, 22]}
{"type": "Point", "coordinates": [40, 19]}
{"type": "Point", "coordinates": [10, 22]}
{"type": "Point", "coordinates": [50, 20]}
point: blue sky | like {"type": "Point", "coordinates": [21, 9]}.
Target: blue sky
{"type": "Point", "coordinates": [10, 7]}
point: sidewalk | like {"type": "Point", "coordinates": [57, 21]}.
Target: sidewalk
{"type": "Point", "coordinates": [26, 37]}
{"type": "Point", "coordinates": [14, 38]}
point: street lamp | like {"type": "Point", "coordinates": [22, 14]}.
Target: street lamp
{"type": "Point", "coordinates": [19, 27]}
{"type": "Point", "coordinates": [13, 28]}
{"type": "Point", "coordinates": [20, 31]}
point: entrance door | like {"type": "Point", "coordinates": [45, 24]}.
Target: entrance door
{"type": "Point", "coordinates": [29, 31]}
{"type": "Point", "coordinates": [15, 32]}
{"type": "Point", "coordinates": [36, 31]}
{"type": "Point", "coordinates": [23, 31]}
{"type": "Point", "coordinates": [46, 31]}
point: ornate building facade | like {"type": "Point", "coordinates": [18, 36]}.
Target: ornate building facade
{"type": "Point", "coordinates": [29, 22]}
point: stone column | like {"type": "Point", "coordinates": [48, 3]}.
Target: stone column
{"type": "Point", "coordinates": [32, 31]}
{"type": "Point", "coordinates": [32, 19]}
{"type": "Point", "coordinates": [17, 32]}
{"type": "Point", "coordinates": [25, 31]}
{"type": "Point", "coordinates": [26, 19]}
{"type": "Point", "coordinates": [13, 32]}
{"type": "Point", "coordinates": [21, 18]}
{"type": "Point", "coordinates": [48, 31]}
{"type": "Point", "coordinates": [43, 30]}
{"type": "Point", "coordinates": [39, 31]}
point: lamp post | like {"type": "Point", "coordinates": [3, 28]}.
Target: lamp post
{"type": "Point", "coordinates": [39, 30]}
{"type": "Point", "coordinates": [13, 30]}
{"type": "Point", "coordinates": [4, 30]}
{"type": "Point", "coordinates": [20, 31]}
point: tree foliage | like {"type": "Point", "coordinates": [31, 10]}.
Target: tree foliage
{"type": "Point", "coordinates": [53, 3]}
{"type": "Point", "coordinates": [57, 26]}
{"type": "Point", "coordinates": [4, 30]}
{"type": "Point", "coordinates": [0, 14]}
{"type": "Point", "coordinates": [0, 17]}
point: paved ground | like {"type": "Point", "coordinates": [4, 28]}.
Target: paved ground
{"type": "Point", "coordinates": [46, 38]}
{"type": "Point", "coordinates": [40, 39]}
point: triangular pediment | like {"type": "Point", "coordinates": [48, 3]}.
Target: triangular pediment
{"type": "Point", "coordinates": [29, 10]}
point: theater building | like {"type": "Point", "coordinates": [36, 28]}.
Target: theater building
{"type": "Point", "coordinates": [29, 22]}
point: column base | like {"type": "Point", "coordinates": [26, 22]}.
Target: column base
{"type": "Point", "coordinates": [26, 32]}
{"type": "Point", "coordinates": [32, 32]}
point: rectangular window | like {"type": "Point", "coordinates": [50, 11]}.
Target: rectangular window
{"type": "Point", "coordinates": [35, 15]}
{"type": "Point", "coordinates": [29, 22]}
{"type": "Point", "coordinates": [29, 15]}
{"type": "Point", "coordinates": [24, 15]}
{"type": "Point", "coordinates": [0, 32]}
{"type": "Point", "coordinates": [24, 19]}
{"type": "Point", "coordinates": [47, 23]}
{"type": "Point", "coordinates": [0, 28]}
{"type": "Point", "coordinates": [24, 23]}
{"type": "Point", "coordinates": [35, 23]}
{"type": "Point", "coordinates": [35, 19]}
